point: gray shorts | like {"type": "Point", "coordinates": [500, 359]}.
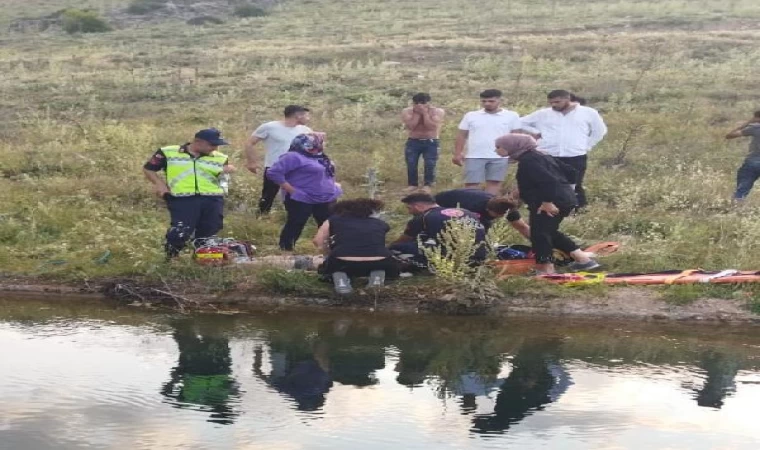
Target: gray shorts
{"type": "Point", "coordinates": [478, 170]}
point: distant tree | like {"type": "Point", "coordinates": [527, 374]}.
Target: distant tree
{"type": "Point", "coordinates": [81, 21]}
{"type": "Point", "coordinates": [248, 10]}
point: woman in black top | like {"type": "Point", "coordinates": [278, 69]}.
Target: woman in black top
{"type": "Point", "coordinates": [354, 242]}
{"type": "Point", "coordinates": [546, 186]}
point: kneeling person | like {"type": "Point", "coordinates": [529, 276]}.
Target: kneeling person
{"type": "Point", "coordinates": [488, 206]}
{"type": "Point", "coordinates": [354, 242]}
{"type": "Point", "coordinates": [429, 221]}
{"type": "Point", "coordinates": [190, 187]}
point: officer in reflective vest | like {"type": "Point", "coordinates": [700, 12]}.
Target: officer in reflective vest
{"type": "Point", "coordinates": [191, 187]}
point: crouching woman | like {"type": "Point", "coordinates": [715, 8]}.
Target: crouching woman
{"type": "Point", "coordinates": [546, 186]}
{"type": "Point", "coordinates": [353, 240]}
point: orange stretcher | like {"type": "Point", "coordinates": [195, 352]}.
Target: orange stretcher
{"type": "Point", "coordinates": [505, 269]}
{"type": "Point", "coordinates": [692, 276]}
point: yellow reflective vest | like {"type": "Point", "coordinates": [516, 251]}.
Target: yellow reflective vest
{"type": "Point", "coordinates": [187, 176]}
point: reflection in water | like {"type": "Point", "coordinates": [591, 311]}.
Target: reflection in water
{"type": "Point", "coordinates": [537, 378]}
{"type": "Point", "coordinates": [202, 376]}
{"type": "Point", "coordinates": [721, 372]}
{"type": "Point", "coordinates": [373, 382]}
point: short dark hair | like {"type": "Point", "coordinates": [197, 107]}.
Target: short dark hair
{"type": "Point", "coordinates": [421, 98]}
{"type": "Point", "coordinates": [579, 100]}
{"type": "Point", "coordinates": [292, 110]}
{"type": "Point", "coordinates": [418, 197]}
{"type": "Point", "coordinates": [559, 93]}
{"type": "Point", "coordinates": [757, 113]}
{"type": "Point", "coordinates": [491, 93]}
{"type": "Point", "coordinates": [500, 205]}
{"type": "Point", "coordinates": [358, 207]}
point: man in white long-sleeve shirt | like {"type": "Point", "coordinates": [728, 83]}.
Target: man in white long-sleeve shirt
{"type": "Point", "coordinates": [567, 131]}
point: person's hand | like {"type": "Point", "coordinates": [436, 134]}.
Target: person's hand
{"type": "Point", "coordinates": [229, 168]}
{"type": "Point", "coordinates": [419, 108]}
{"type": "Point", "coordinates": [548, 208]}
{"type": "Point", "coordinates": [458, 160]}
{"type": "Point", "coordinates": [338, 185]}
{"type": "Point", "coordinates": [252, 166]}
{"type": "Point", "coordinates": [160, 190]}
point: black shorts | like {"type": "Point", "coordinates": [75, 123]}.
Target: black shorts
{"type": "Point", "coordinates": [360, 268]}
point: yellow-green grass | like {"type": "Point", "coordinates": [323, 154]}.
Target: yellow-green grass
{"type": "Point", "coordinates": [80, 114]}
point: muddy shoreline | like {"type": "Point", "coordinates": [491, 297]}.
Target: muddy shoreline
{"type": "Point", "coordinates": [622, 303]}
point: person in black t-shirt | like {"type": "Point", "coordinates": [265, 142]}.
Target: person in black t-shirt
{"type": "Point", "coordinates": [428, 222]}
{"type": "Point", "coordinates": [354, 243]}
{"type": "Point", "coordinates": [487, 206]}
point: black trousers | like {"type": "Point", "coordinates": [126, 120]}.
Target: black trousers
{"type": "Point", "coordinates": [298, 215]}
{"type": "Point", "coordinates": [545, 235]}
{"type": "Point", "coordinates": [195, 217]}
{"type": "Point", "coordinates": [361, 268]}
{"type": "Point", "coordinates": [269, 192]}
{"type": "Point", "coordinates": [578, 163]}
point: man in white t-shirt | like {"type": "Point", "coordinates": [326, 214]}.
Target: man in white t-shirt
{"type": "Point", "coordinates": [567, 130]}
{"type": "Point", "coordinates": [479, 130]}
{"type": "Point", "coordinates": [277, 136]}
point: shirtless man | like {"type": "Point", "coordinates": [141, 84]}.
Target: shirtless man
{"type": "Point", "coordinates": [423, 121]}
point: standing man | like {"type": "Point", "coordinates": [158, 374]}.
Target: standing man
{"type": "Point", "coordinates": [568, 131]}
{"type": "Point", "coordinates": [479, 130]}
{"type": "Point", "coordinates": [191, 187]}
{"type": "Point", "coordinates": [277, 136]}
{"type": "Point", "coordinates": [423, 121]}
{"type": "Point", "coordinates": [749, 172]}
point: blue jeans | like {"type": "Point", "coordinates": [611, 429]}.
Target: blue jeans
{"type": "Point", "coordinates": [746, 176]}
{"type": "Point", "coordinates": [428, 149]}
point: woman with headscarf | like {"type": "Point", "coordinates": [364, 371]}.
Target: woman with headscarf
{"type": "Point", "coordinates": [546, 186]}
{"type": "Point", "coordinates": [307, 176]}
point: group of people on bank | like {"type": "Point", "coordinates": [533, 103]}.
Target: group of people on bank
{"type": "Point", "coordinates": [550, 147]}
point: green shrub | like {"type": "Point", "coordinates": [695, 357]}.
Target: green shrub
{"type": "Point", "coordinates": [143, 7]}
{"type": "Point", "coordinates": [249, 10]}
{"type": "Point", "coordinates": [79, 21]}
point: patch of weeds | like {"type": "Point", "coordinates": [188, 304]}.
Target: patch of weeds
{"type": "Point", "coordinates": [249, 10]}
{"type": "Point", "coordinates": [296, 282]}
{"type": "Point", "coordinates": [79, 21]}
{"type": "Point", "coordinates": [143, 7]}
{"type": "Point", "coordinates": [205, 20]}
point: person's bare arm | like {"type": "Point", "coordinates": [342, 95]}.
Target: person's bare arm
{"type": "Point", "coordinates": [320, 239]}
{"type": "Point", "coordinates": [459, 144]}
{"type": "Point", "coordinates": [410, 119]}
{"type": "Point", "coordinates": [432, 117]}
{"type": "Point", "coordinates": [250, 154]}
{"type": "Point", "coordinates": [737, 132]}
{"type": "Point", "coordinates": [159, 183]}
{"type": "Point", "coordinates": [521, 227]}
{"type": "Point", "coordinates": [404, 238]}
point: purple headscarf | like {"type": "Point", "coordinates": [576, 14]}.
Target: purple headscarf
{"type": "Point", "coordinates": [312, 145]}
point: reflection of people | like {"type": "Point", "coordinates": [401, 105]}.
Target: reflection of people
{"type": "Point", "coordinates": [203, 374]}
{"type": "Point", "coordinates": [355, 352]}
{"type": "Point", "coordinates": [299, 370]}
{"type": "Point", "coordinates": [536, 379]}
{"type": "Point", "coordinates": [720, 383]}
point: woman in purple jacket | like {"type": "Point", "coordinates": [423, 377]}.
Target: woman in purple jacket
{"type": "Point", "coordinates": [307, 176]}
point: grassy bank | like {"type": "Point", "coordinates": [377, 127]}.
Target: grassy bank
{"type": "Point", "coordinates": [81, 113]}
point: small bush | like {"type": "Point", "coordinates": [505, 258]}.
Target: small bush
{"type": "Point", "coordinates": [79, 21]}
{"type": "Point", "coordinates": [249, 10]}
{"type": "Point", "coordinates": [203, 20]}
{"type": "Point", "coordinates": [143, 7]}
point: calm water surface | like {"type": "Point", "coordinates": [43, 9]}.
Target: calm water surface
{"type": "Point", "coordinates": [84, 375]}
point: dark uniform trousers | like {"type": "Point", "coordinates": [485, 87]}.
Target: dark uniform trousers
{"type": "Point", "coordinates": [195, 217]}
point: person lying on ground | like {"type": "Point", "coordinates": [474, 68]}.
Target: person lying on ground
{"type": "Point", "coordinates": [307, 176]}
{"type": "Point", "coordinates": [430, 219]}
{"type": "Point", "coordinates": [487, 206]}
{"type": "Point", "coordinates": [353, 241]}
{"type": "Point", "coordinates": [545, 185]}
{"type": "Point", "coordinates": [749, 171]}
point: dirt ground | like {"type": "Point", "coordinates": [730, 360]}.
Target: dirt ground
{"type": "Point", "coordinates": [623, 303]}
